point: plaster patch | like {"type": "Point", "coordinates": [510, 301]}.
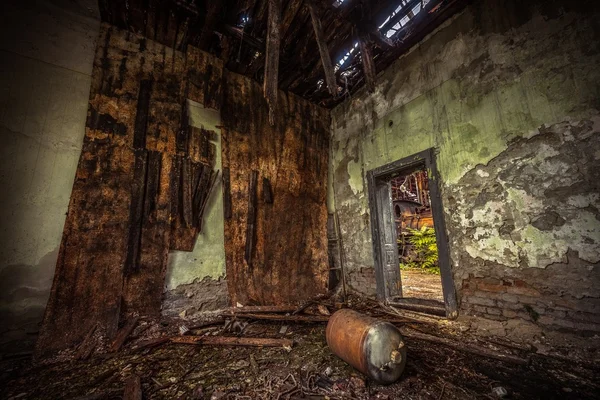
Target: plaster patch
{"type": "Point", "coordinates": [355, 179]}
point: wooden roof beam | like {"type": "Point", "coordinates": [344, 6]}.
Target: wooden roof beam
{"type": "Point", "coordinates": [368, 64]}
{"type": "Point", "coordinates": [271, 79]}
{"type": "Point", "coordinates": [323, 50]}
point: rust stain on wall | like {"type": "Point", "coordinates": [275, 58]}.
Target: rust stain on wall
{"type": "Point", "coordinates": [143, 174]}
{"type": "Point", "coordinates": [289, 252]}
{"type": "Point", "coordinates": [126, 203]}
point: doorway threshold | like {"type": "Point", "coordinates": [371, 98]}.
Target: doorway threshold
{"type": "Point", "coordinates": [426, 306]}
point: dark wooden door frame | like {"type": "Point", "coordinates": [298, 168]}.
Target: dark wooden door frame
{"type": "Point", "coordinates": [375, 179]}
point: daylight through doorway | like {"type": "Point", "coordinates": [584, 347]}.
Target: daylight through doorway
{"type": "Point", "coordinates": [417, 248]}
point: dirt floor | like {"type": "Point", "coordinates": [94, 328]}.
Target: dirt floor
{"type": "Point", "coordinates": [306, 371]}
{"type": "Point", "coordinates": [422, 285]}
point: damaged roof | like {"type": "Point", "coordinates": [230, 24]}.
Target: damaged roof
{"type": "Point", "coordinates": [235, 31]}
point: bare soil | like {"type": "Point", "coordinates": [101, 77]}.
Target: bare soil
{"type": "Point", "coordinates": [420, 284]}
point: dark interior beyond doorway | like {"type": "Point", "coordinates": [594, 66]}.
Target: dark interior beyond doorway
{"type": "Point", "coordinates": [417, 247]}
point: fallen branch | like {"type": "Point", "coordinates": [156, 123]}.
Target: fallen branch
{"type": "Point", "coordinates": [233, 341]}
{"type": "Point", "coordinates": [464, 347]}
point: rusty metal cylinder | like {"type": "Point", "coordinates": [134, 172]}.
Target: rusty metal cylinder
{"type": "Point", "coordinates": [375, 348]}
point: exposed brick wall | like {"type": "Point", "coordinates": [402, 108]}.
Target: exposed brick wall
{"type": "Point", "coordinates": [362, 280]}
{"type": "Point", "coordinates": [513, 298]}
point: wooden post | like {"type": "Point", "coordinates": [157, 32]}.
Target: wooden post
{"type": "Point", "coordinates": [367, 61]}
{"type": "Point", "coordinates": [271, 78]}
{"type": "Point", "coordinates": [325, 57]}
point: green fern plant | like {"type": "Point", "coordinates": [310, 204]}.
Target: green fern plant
{"type": "Point", "coordinates": [425, 253]}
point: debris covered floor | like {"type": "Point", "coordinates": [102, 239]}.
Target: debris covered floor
{"type": "Point", "coordinates": [306, 371]}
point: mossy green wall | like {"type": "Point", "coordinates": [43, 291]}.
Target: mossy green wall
{"type": "Point", "coordinates": [483, 80]}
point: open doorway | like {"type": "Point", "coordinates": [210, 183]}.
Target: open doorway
{"type": "Point", "coordinates": [415, 233]}
{"type": "Point", "coordinates": [409, 240]}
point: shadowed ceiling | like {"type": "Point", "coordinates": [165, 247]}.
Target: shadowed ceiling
{"type": "Point", "coordinates": [235, 31]}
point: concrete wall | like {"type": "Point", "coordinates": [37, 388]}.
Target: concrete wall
{"type": "Point", "coordinates": [509, 95]}
{"type": "Point", "coordinates": [46, 54]}
{"type": "Point", "coordinates": [196, 280]}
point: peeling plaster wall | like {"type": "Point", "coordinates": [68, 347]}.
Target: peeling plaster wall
{"type": "Point", "coordinates": [509, 95]}
{"type": "Point", "coordinates": [196, 280]}
{"type": "Point", "coordinates": [46, 55]}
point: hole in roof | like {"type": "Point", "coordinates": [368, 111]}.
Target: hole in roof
{"type": "Point", "coordinates": [402, 15]}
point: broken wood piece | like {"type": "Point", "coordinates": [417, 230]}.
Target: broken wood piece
{"type": "Point", "coordinates": [323, 50]}
{"type": "Point", "coordinates": [422, 308]}
{"type": "Point", "coordinates": [271, 79]}
{"type": "Point", "coordinates": [263, 309]}
{"type": "Point", "coordinates": [323, 310]}
{"type": "Point", "coordinates": [87, 345]}
{"type": "Point", "coordinates": [251, 218]}
{"type": "Point", "coordinates": [233, 341]}
{"type": "Point", "coordinates": [291, 318]}
{"type": "Point", "coordinates": [133, 388]}
{"type": "Point", "coordinates": [464, 347]}
{"type": "Point", "coordinates": [123, 334]}
{"type": "Point", "coordinates": [146, 344]}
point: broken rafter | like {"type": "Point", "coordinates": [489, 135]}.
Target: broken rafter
{"type": "Point", "coordinates": [323, 50]}
{"type": "Point", "coordinates": [270, 85]}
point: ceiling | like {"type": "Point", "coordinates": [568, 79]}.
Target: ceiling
{"type": "Point", "coordinates": [235, 31]}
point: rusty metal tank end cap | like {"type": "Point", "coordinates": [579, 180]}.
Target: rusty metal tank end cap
{"type": "Point", "coordinates": [396, 357]}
